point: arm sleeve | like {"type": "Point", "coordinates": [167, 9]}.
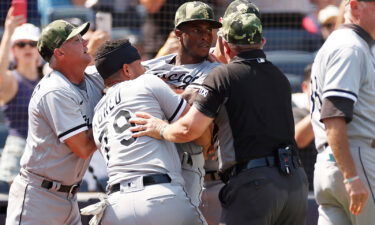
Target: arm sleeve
{"type": "Point", "coordinates": [337, 107]}
{"type": "Point", "coordinates": [170, 103]}
{"type": "Point", "coordinates": [212, 94]}
{"type": "Point", "coordinates": [63, 114]}
{"type": "Point", "coordinates": [344, 74]}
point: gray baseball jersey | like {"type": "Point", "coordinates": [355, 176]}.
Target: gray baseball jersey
{"type": "Point", "coordinates": [185, 76]}
{"type": "Point", "coordinates": [58, 110]}
{"type": "Point", "coordinates": [181, 76]}
{"type": "Point", "coordinates": [344, 67]}
{"type": "Point", "coordinates": [128, 157]}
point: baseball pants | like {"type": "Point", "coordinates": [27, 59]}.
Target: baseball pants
{"type": "Point", "coordinates": [158, 204]}
{"type": "Point", "coordinates": [192, 170]}
{"type": "Point", "coordinates": [30, 204]}
{"type": "Point", "coordinates": [330, 192]}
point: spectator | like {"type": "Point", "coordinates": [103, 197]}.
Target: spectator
{"type": "Point", "coordinates": [310, 21]}
{"type": "Point", "coordinates": [327, 18]}
{"type": "Point", "coordinates": [16, 87]}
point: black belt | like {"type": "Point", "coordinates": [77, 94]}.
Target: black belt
{"type": "Point", "coordinates": [255, 163]}
{"type": "Point", "coordinates": [71, 189]}
{"type": "Point", "coordinates": [147, 180]}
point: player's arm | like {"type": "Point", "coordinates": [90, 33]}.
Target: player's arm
{"type": "Point", "coordinates": [204, 140]}
{"type": "Point", "coordinates": [304, 133]}
{"type": "Point", "coordinates": [61, 109]}
{"type": "Point", "coordinates": [8, 84]}
{"type": "Point", "coordinates": [82, 144]}
{"type": "Point", "coordinates": [187, 128]}
{"type": "Point", "coordinates": [336, 113]}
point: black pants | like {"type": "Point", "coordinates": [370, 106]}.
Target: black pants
{"type": "Point", "coordinates": [264, 196]}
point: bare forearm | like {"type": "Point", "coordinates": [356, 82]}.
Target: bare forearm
{"type": "Point", "coordinates": [179, 132]}
{"type": "Point", "coordinates": [338, 140]}
{"type": "Point", "coordinates": [304, 132]}
{"type": "Point", "coordinates": [4, 55]}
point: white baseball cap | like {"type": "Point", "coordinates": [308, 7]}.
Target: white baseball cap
{"type": "Point", "coordinates": [26, 31]}
{"type": "Point", "coordinates": [327, 13]}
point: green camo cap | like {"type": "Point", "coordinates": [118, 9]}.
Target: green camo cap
{"type": "Point", "coordinates": [55, 34]}
{"type": "Point", "coordinates": [241, 6]}
{"type": "Point", "coordinates": [242, 29]}
{"type": "Point", "coordinates": [195, 11]}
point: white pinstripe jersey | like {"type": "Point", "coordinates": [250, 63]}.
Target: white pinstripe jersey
{"type": "Point", "coordinates": [344, 67]}
{"type": "Point", "coordinates": [58, 110]}
{"type": "Point", "coordinates": [128, 157]}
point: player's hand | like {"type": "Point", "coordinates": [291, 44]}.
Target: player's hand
{"type": "Point", "coordinates": [358, 194]}
{"type": "Point", "coordinates": [146, 125]}
{"type": "Point", "coordinates": [11, 22]}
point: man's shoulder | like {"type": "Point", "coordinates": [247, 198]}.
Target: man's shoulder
{"type": "Point", "coordinates": [149, 64]}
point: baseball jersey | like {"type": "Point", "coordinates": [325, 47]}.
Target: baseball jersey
{"type": "Point", "coordinates": [129, 157]}
{"type": "Point", "coordinates": [344, 67]}
{"type": "Point", "coordinates": [181, 76]}
{"type": "Point", "coordinates": [58, 110]}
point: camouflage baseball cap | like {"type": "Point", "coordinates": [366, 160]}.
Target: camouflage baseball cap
{"type": "Point", "coordinates": [242, 29]}
{"type": "Point", "coordinates": [195, 11]}
{"type": "Point", "coordinates": [55, 34]}
{"type": "Point", "coordinates": [241, 6]}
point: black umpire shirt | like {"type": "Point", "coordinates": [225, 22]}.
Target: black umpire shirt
{"type": "Point", "coordinates": [250, 99]}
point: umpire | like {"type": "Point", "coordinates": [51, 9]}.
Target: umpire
{"type": "Point", "coordinates": [249, 101]}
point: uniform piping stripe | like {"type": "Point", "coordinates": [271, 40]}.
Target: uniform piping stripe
{"type": "Point", "coordinates": [72, 132]}
{"type": "Point", "coordinates": [177, 110]}
{"type": "Point", "coordinates": [364, 171]}
{"type": "Point", "coordinates": [200, 215]}
{"type": "Point", "coordinates": [339, 90]}
{"type": "Point", "coordinates": [340, 93]}
{"type": "Point", "coordinates": [23, 203]}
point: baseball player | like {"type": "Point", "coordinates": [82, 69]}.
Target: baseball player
{"type": "Point", "coordinates": [186, 70]}
{"type": "Point", "coordinates": [145, 184]}
{"type": "Point", "coordinates": [60, 142]}
{"type": "Point", "coordinates": [342, 107]}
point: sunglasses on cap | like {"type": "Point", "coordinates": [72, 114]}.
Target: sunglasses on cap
{"type": "Point", "coordinates": [23, 44]}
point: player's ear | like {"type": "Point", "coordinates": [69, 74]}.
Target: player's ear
{"type": "Point", "coordinates": [125, 71]}
{"type": "Point", "coordinates": [57, 52]}
{"type": "Point", "coordinates": [178, 33]}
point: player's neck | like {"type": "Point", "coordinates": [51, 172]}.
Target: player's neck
{"type": "Point", "coordinates": [75, 74]}
{"type": "Point", "coordinates": [183, 58]}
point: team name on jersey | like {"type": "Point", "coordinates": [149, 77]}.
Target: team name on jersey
{"type": "Point", "coordinates": [109, 106]}
{"type": "Point", "coordinates": [179, 79]}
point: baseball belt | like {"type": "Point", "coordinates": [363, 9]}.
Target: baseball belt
{"type": "Point", "coordinates": [147, 180]}
{"type": "Point", "coordinates": [71, 189]}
